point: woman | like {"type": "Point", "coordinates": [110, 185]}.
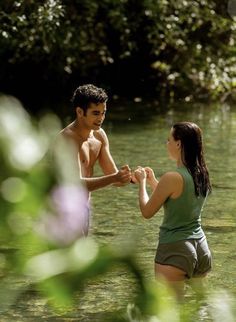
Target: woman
{"type": "Point", "coordinates": [182, 251]}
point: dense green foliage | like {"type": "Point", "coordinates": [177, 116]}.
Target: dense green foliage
{"type": "Point", "coordinates": [174, 49]}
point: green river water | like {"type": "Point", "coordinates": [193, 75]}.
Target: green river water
{"type": "Point", "coordinates": [137, 139]}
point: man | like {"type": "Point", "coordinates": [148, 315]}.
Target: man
{"type": "Point", "coordinates": [90, 140]}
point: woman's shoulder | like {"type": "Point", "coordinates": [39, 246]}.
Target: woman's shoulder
{"type": "Point", "coordinates": [173, 182]}
{"type": "Point", "coordinates": [172, 177]}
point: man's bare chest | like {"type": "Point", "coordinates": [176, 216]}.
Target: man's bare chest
{"type": "Point", "coordinates": [89, 152]}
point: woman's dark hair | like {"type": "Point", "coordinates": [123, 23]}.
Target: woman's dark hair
{"type": "Point", "coordinates": [192, 155]}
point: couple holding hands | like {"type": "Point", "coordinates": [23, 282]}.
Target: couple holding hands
{"type": "Point", "coordinates": [182, 251]}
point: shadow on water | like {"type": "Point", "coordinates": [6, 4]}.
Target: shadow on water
{"type": "Point", "coordinates": [220, 229]}
{"type": "Point", "coordinates": [219, 186]}
{"type": "Point", "coordinates": [133, 112]}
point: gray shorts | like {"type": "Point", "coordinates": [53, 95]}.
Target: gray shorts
{"type": "Point", "coordinates": [192, 256]}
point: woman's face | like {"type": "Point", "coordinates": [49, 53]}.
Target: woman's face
{"type": "Point", "coordinates": [173, 146]}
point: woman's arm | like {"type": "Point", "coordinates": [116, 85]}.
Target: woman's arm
{"type": "Point", "coordinates": [170, 184]}
{"type": "Point", "coordinates": [151, 179]}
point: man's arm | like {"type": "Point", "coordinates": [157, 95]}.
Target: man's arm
{"type": "Point", "coordinates": [112, 176]}
{"type": "Point", "coordinates": [106, 161]}
{"type": "Point", "coordinates": [120, 177]}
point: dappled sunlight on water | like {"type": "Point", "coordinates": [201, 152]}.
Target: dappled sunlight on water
{"type": "Point", "coordinates": [116, 218]}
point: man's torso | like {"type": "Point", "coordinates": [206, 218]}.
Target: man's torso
{"type": "Point", "coordinates": [88, 150]}
{"type": "Point", "coordinates": [89, 153]}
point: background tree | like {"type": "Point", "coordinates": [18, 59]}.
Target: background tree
{"type": "Point", "coordinates": [163, 49]}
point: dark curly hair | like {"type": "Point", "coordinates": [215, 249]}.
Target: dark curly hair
{"type": "Point", "coordinates": [86, 94]}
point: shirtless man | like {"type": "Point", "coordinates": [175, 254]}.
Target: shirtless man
{"type": "Point", "coordinates": [90, 140]}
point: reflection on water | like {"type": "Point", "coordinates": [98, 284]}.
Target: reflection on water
{"type": "Point", "coordinates": [139, 140]}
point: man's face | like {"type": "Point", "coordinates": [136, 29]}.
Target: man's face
{"type": "Point", "coordinates": [95, 116]}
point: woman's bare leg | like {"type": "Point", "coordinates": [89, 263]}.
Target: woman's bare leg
{"type": "Point", "coordinates": [174, 276]}
{"type": "Point", "coordinates": [199, 285]}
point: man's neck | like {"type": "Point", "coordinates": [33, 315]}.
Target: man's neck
{"type": "Point", "coordinates": [81, 131]}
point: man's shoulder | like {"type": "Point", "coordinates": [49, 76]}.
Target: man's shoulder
{"type": "Point", "coordinates": [67, 136]}
{"type": "Point", "coordinates": [67, 130]}
{"type": "Point", "coordinates": [100, 135]}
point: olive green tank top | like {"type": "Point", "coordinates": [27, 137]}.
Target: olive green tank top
{"type": "Point", "coordinates": [182, 216]}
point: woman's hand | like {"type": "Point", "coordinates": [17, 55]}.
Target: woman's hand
{"type": "Point", "coordinates": [140, 174]}
{"type": "Point", "coordinates": [150, 174]}
{"type": "Point", "coordinates": [151, 179]}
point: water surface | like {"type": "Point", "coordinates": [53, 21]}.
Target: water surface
{"type": "Point", "coordinates": [136, 138]}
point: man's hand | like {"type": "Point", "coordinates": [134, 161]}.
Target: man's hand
{"type": "Point", "coordinates": [133, 178]}
{"type": "Point", "coordinates": [123, 176]}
